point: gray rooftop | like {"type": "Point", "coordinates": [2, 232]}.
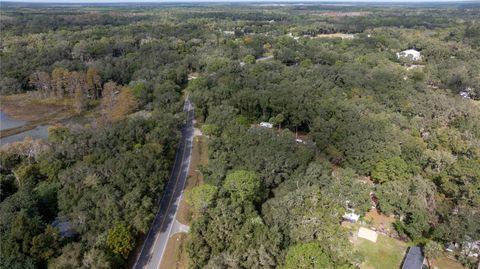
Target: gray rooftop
{"type": "Point", "coordinates": [414, 258]}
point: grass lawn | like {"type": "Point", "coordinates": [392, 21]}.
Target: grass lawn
{"type": "Point", "coordinates": [446, 263]}
{"type": "Point", "coordinates": [386, 253]}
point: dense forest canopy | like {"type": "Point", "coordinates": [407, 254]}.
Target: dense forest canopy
{"type": "Point", "coordinates": [403, 131]}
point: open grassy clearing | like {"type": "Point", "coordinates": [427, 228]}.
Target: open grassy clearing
{"type": "Point", "coordinates": [386, 253]}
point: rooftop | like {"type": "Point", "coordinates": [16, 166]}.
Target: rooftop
{"type": "Point", "coordinates": [414, 258]}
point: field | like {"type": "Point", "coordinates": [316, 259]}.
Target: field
{"type": "Point", "coordinates": [386, 253]}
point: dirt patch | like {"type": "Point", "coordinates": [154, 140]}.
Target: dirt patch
{"type": "Point", "coordinates": [380, 222]}
{"type": "Point", "coordinates": [175, 256]}
{"type": "Point", "coordinates": [195, 178]}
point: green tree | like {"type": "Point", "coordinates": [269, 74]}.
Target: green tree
{"type": "Point", "coordinates": [211, 129]}
{"type": "Point", "coordinates": [120, 240]}
{"type": "Point", "coordinates": [432, 250]}
{"type": "Point", "coordinates": [391, 170]}
{"type": "Point", "coordinates": [46, 244]}
{"type": "Point", "coordinates": [242, 185]}
{"type": "Point", "coordinates": [277, 120]}
{"type": "Point", "coordinates": [307, 256]}
{"type": "Point", "coordinates": [201, 197]}
{"type": "Point", "coordinates": [28, 175]}
{"type": "Point", "coordinates": [249, 59]}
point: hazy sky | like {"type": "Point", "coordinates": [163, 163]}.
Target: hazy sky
{"type": "Point", "coordinates": [160, 1]}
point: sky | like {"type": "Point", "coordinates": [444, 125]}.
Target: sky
{"type": "Point", "coordinates": [193, 1]}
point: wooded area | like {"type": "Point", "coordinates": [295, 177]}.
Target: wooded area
{"type": "Point", "coordinates": [406, 131]}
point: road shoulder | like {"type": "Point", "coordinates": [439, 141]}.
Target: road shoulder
{"type": "Point", "coordinates": [175, 256]}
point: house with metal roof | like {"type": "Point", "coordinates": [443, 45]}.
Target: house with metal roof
{"type": "Point", "coordinates": [414, 258]}
{"type": "Point", "coordinates": [411, 53]}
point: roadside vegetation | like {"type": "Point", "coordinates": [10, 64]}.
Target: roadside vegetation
{"type": "Point", "coordinates": [354, 126]}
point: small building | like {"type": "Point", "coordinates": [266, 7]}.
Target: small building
{"type": "Point", "coordinates": [411, 53]}
{"type": "Point", "coordinates": [266, 125]}
{"type": "Point", "coordinates": [466, 93]}
{"type": "Point", "coordinates": [414, 258]}
{"type": "Point", "coordinates": [352, 217]}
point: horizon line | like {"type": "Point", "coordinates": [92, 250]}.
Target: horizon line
{"type": "Point", "coordinates": [232, 1]}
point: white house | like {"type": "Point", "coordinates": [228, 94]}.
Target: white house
{"type": "Point", "coordinates": [266, 125]}
{"type": "Point", "coordinates": [466, 93]}
{"type": "Point", "coordinates": [411, 53]}
{"type": "Point", "coordinates": [351, 216]}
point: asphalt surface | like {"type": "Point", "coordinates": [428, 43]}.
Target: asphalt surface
{"type": "Point", "coordinates": [165, 224]}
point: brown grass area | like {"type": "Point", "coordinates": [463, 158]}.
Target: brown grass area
{"type": "Point", "coordinates": [446, 263]}
{"type": "Point", "coordinates": [199, 158]}
{"type": "Point", "coordinates": [380, 221]}
{"type": "Point", "coordinates": [28, 107]}
{"type": "Point", "coordinates": [175, 256]}
{"type": "Point", "coordinates": [35, 111]}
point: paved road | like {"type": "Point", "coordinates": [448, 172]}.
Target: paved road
{"type": "Point", "coordinates": [164, 224]}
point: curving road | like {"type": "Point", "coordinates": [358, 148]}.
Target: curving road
{"type": "Point", "coordinates": [164, 223]}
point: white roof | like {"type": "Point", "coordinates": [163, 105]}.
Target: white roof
{"type": "Point", "coordinates": [266, 124]}
{"type": "Point", "coordinates": [351, 216]}
{"type": "Point", "coordinates": [415, 54]}
{"type": "Point", "coordinates": [411, 51]}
